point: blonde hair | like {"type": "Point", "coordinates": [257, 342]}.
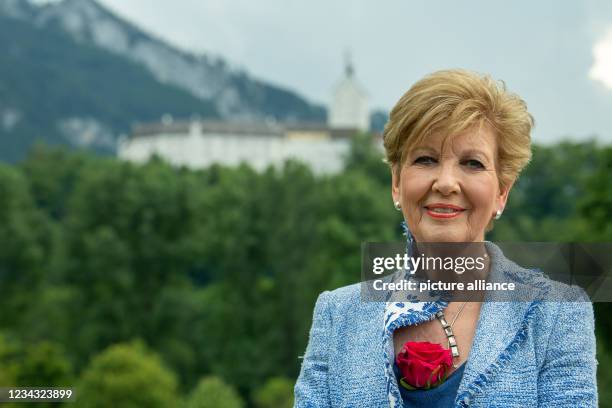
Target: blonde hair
{"type": "Point", "coordinates": [452, 101]}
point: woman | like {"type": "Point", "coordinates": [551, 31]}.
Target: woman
{"type": "Point", "coordinates": [456, 142]}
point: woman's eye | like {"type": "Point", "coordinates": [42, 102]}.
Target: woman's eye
{"type": "Point", "coordinates": [475, 164]}
{"type": "Point", "coordinates": [425, 160]}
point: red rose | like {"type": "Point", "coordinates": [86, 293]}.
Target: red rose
{"type": "Point", "coordinates": [423, 364]}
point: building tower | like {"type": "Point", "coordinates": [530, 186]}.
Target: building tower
{"type": "Point", "coordinates": [349, 107]}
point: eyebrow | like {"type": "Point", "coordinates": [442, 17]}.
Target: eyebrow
{"type": "Point", "coordinates": [424, 149]}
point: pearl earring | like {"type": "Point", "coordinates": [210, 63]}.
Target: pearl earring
{"type": "Point", "coordinates": [397, 205]}
{"type": "Point", "coordinates": [498, 214]}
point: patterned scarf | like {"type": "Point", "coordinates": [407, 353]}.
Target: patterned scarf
{"type": "Point", "coordinates": [404, 312]}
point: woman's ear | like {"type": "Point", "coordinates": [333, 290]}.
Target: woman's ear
{"type": "Point", "coordinates": [395, 182]}
{"type": "Point", "coordinates": [502, 199]}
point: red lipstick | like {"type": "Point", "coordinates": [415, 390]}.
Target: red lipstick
{"type": "Point", "coordinates": [442, 210]}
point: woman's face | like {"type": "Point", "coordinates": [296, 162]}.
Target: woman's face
{"type": "Point", "coordinates": [450, 191]}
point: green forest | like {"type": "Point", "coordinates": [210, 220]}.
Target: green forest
{"type": "Point", "coordinates": [155, 286]}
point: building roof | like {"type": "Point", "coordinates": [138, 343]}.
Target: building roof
{"type": "Point", "coordinates": [181, 127]}
{"type": "Point", "coordinates": [208, 126]}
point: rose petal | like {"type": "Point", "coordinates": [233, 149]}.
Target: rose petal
{"type": "Point", "coordinates": [423, 364]}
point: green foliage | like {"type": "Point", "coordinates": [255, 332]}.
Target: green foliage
{"type": "Point", "coordinates": [77, 80]}
{"type": "Point", "coordinates": [52, 174]}
{"type": "Point", "coordinates": [44, 364]}
{"type": "Point", "coordinates": [10, 352]}
{"type": "Point", "coordinates": [365, 157]}
{"type": "Point", "coordinates": [40, 364]}
{"type": "Point", "coordinates": [596, 206]}
{"type": "Point", "coordinates": [544, 203]}
{"type": "Point", "coordinates": [26, 241]}
{"type": "Point", "coordinates": [604, 374]}
{"type": "Point", "coordinates": [213, 392]}
{"type": "Point", "coordinates": [126, 376]}
{"type": "Point", "coordinates": [277, 392]}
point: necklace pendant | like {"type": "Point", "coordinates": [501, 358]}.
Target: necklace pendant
{"type": "Point", "coordinates": [448, 330]}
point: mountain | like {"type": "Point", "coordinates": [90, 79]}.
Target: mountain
{"type": "Point", "coordinates": [74, 73]}
{"type": "Point", "coordinates": [61, 92]}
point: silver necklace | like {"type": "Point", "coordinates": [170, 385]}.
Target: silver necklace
{"type": "Point", "coordinates": [448, 330]}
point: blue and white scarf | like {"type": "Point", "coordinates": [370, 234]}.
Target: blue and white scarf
{"type": "Point", "coordinates": [400, 313]}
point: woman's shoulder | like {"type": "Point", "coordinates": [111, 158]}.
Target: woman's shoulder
{"type": "Point", "coordinates": [344, 294]}
{"type": "Point", "coordinates": [561, 310]}
{"type": "Point", "coordinates": [533, 284]}
{"type": "Point", "coordinates": [567, 305]}
{"type": "Point", "coordinates": [560, 303]}
{"type": "Point", "coordinates": [346, 303]}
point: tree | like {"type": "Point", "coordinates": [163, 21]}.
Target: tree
{"type": "Point", "coordinates": [366, 157]}
{"type": "Point", "coordinates": [543, 204]}
{"type": "Point", "coordinates": [41, 364]}
{"type": "Point", "coordinates": [596, 206]}
{"type": "Point", "coordinates": [127, 376]}
{"type": "Point", "coordinates": [604, 374]}
{"type": "Point", "coordinates": [277, 392]}
{"type": "Point", "coordinates": [213, 392]}
{"type": "Point", "coordinates": [44, 364]}
{"type": "Point", "coordinates": [52, 173]}
{"type": "Point", "coordinates": [26, 243]}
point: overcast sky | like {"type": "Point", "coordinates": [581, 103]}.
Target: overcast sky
{"type": "Point", "coordinates": [556, 54]}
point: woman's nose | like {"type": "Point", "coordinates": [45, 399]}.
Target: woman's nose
{"type": "Point", "coordinates": [446, 181]}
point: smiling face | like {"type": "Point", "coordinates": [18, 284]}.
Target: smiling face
{"type": "Point", "coordinates": [449, 189]}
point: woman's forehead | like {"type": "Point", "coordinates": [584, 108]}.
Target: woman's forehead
{"type": "Point", "coordinates": [472, 140]}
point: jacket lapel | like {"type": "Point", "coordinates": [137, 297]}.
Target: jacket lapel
{"type": "Point", "coordinates": [502, 325]}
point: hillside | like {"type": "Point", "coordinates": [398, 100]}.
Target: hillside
{"type": "Point", "coordinates": [75, 74]}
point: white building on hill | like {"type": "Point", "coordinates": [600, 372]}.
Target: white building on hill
{"type": "Point", "coordinates": [198, 144]}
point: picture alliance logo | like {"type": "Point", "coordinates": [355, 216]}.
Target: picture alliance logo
{"type": "Point", "coordinates": [429, 285]}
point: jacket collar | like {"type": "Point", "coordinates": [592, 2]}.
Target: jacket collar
{"type": "Point", "coordinates": [500, 328]}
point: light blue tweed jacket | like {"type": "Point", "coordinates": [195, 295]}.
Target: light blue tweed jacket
{"type": "Point", "coordinates": [536, 353]}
